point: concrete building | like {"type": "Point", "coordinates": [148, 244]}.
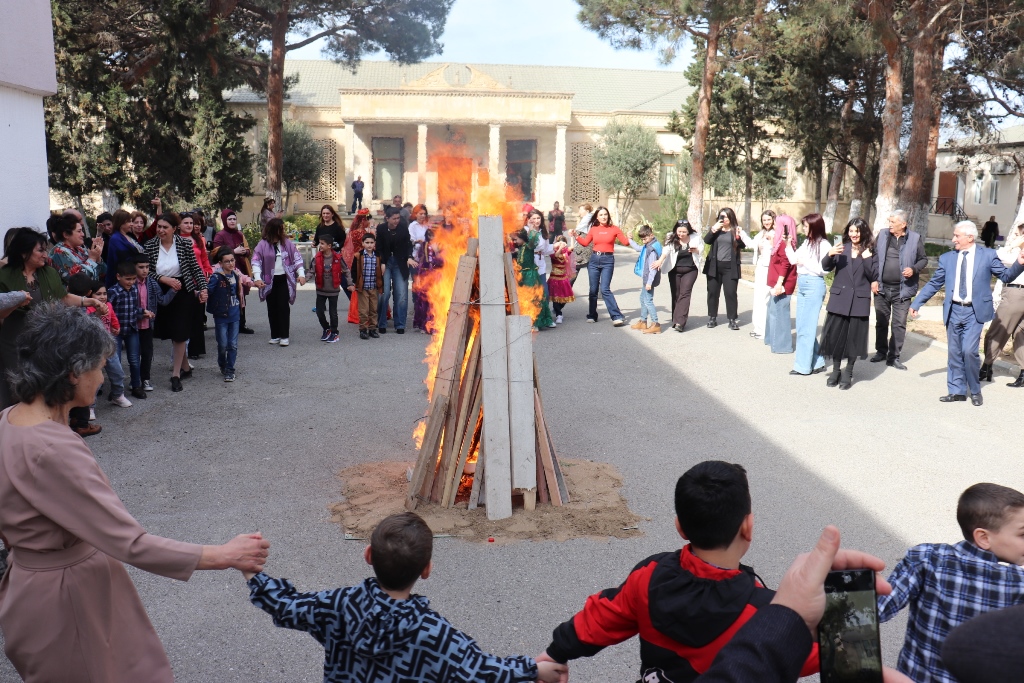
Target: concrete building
{"type": "Point", "coordinates": [27, 75]}
{"type": "Point", "coordinates": [532, 126]}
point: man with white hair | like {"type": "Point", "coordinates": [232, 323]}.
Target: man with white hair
{"type": "Point", "coordinates": [901, 258]}
{"type": "Point", "coordinates": [967, 306]}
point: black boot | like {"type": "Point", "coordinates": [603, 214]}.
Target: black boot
{"type": "Point", "coordinates": [734, 324]}
{"type": "Point", "coordinates": [986, 373]}
{"type": "Point", "coordinates": [1019, 382]}
{"type": "Point", "coordinates": [712, 322]}
{"type": "Point", "coordinates": [847, 379]}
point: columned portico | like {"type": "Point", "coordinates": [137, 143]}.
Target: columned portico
{"type": "Point", "coordinates": [560, 165]}
{"type": "Point", "coordinates": [494, 150]}
{"type": "Point", "coordinates": [349, 138]}
{"type": "Point", "coordinates": [421, 163]}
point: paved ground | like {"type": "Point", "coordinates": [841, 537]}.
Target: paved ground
{"type": "Point", "coordinates": [885, 461]}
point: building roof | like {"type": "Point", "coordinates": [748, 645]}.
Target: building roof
{"type": "Point", "coordinates": [593, 90]}
{"type": "Point", "coordinates": [1010, 136]}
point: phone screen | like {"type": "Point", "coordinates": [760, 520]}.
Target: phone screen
{"type": "Point", "coordinates": [848, 642]}
{"type": "Point", "coordinates": [837, 240]}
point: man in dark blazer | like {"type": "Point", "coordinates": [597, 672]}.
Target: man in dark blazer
{"type": "Point", "coordinates": [394, 247]}
{"type": "Point", "coordinates": [901, 258]}
{"type": "Point", "coordinates": [967, 306]}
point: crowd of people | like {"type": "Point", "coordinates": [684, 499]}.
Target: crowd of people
{"type": "Point", "coordinates": [71, 303]}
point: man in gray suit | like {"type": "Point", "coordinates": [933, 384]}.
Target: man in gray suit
{"type": "Point", "coordinates": [967, 306]}
{"type": "Point", "coordinates": [901, 258]}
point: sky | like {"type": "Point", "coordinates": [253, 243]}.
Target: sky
{"type": "Point", "coordinates": [542, 32]}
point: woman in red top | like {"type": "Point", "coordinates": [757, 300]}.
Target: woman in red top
{"type": "Point", "coordinates": [602, 236]}
{"type": "Point", "coordinates": [778, 328]}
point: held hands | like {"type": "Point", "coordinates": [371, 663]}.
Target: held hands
{"type": "Point", "coordinates": [203, 295]}
{"type": "Point", "coordinates": [173, 283]}
{"type": "Point", "coordinates": [148, 314]}
{"type": "Point", "coordinates": [245, 552]}
{"type": "Point", "coordinates": [550, 671]}
{"type": "Point", "coordinates": [351, 288]}
{"type": "Point", "coordinates": [259, 284]}
{"type": "Point", "coordinates": [100, 307]}
{"type": "Point", "coordinates": [240, 250]}
{"type": "Point", "coordinates": [28, 298]}
{"type": "Point", "coordinates": [302, 280]}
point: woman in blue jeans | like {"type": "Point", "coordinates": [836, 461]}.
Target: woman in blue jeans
{"type": "Point", "coordinates": [810, 294]}
{"type": "Point", "coordinates": [602, 235]}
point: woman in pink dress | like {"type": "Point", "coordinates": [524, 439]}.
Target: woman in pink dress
{"type": "Point", "coordinates": [68, 609]}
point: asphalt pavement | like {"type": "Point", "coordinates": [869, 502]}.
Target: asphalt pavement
{"type": "Point", "coordinates": [885, 461]}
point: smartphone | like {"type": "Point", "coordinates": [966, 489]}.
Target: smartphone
{"type": "Point", "coordinates": [837, 240]}
{"type": "Point", "coordinates": [849, 648]}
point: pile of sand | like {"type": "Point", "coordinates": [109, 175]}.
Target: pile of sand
{"type": "Point", "coordinates": [375, 490]}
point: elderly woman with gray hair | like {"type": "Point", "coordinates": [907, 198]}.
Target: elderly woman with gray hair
{"type": "Point", "coordinates": [68, 609]}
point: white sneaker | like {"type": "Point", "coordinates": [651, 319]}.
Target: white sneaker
{"type": "Point", "coordinates": [147, 385]}
{"type": "Point", "coordinates": [284, 341]}
{"type": "Point", "coordinates": [558, 320]}
{"type": "Point", "coordinates": [275, 340]}
{"type": "Point", "coordinates": [552, 325]}
{"type": "Point", "coordinates": [92, 414]}
{"type": "Point", "coordinates": [121, 401]}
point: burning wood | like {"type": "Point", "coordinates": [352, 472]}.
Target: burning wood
{"type": "Point", "coordinates": [485, 403]}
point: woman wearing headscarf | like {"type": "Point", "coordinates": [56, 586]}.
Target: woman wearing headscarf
{"type": "Point", "coordinates": [172, 260]}
{"type": "Point", "coordinates": [232, 238]}
{"type": "Point", "coordinates": [845, 332]}
{"type": "Point", "coordinates": [68, 609]}
{"type": "Point", "coordinates": [781, 278]}
{"type": "Point", "coordinates": [276, 266]}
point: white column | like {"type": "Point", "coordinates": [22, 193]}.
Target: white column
{"type": "Point", "coordinates": [494, 151]}
{"type": "Point", "coordinates": [421, 163]}
{"type": "Point", "coordinates": [349, 174]}
{"type": "Point", "coordinates": [560, 165]}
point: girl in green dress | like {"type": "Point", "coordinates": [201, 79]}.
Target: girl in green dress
{"type": "Point", "coordinates": [526, 243]}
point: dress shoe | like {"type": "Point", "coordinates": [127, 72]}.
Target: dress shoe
{"type": "Point", "coordinates": [382, 330]}
{"type": "Point", "coordinates": [895, 363]}
{"type": "Point", "coordinates": [986, 374]}
{"type": "Point", "coordinates": [878, 358]}
{"type": "Point", "coordinates": [1019, 382]}
{"type": "Point", "coordinates": [816, 371]}
{"type": "Point", "coordinates": [363, 334]}
{"type": "Point", "coordinates": [734, 324]}
{"type": "Point", "coordinates": [247, 330]}
{"type": "Point", "coordinates": [976, 400]}
{"type": "Point", "coordinates": [374, 334]}
{"type": "Point", "coordinates": [794, 372]}
{"type": "Point", "coordinates": [176, 384]}
{"type": "Point", "coordinates": [138, 392]}
{"type": "Point", "coordinates": [712, 322]}
{"type": "Point", "coordinates": [950, 398]}
{"type": "Point", "coordinates": [88, 430]}
{"type": "Point", "coordinates": [401, 330]}
{"type": "Point", "coordinates": [185, 374]}
{"type": "Point", "coordinates": [833, 379]}
{"type": "Point", "coordinates": [639, 325]}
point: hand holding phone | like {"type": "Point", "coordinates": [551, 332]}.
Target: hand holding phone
{"type": "Point", "coordinates": [849, 648]}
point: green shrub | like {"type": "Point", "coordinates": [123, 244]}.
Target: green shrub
{"type": "Point", "coordinates": [671, 207]}
{"type": "Point", "coordinates": [253, 233]}
{"type": "Point", "coordinates": [935, 249]}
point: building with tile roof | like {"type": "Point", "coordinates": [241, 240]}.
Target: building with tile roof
{"type": "Point", "coordinates": [533, 126]}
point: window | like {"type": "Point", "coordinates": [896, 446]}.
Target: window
{"type": "Point", "coordinates": [978, 179]}
{"type": "Point", "coordinates": [993, 191]}
{"type": "Point", "coordinates": [521, 166]}
{"type": "Point", "coordinates": [583, 185]}
{"type": "Point", "coordinates": [326, 188]}
{"type": "Point", "coordinates": [782, 163]}
{"type": "Point", "coordinates": [388, 167]}
{"type": "Point", "coordinates": [668, 179]}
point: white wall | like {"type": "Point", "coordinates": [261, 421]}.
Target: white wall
{"type": "Point", "coordinates": [23, 184]}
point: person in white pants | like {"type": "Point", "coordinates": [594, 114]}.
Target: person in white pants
{"type": "Point", "coordinates": [762, 255]}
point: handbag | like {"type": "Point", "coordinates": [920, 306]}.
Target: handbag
{"type": "Point", "coordinates": [583, 255]}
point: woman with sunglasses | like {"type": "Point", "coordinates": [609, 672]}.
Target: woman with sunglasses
{"type": "Point", "coordinates": [723, 267]}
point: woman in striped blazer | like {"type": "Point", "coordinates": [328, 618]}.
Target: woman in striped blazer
{"type": "Point", "coordinates": [173, 262]}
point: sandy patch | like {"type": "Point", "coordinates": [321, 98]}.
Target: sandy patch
{"type": "Point", "coordinates": [597, 509]}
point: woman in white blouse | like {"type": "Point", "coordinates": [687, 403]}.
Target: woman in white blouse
{"type": "Point", "coordinates": [810, 294]}
{"type": "Point", "coordinates": [762, 255]}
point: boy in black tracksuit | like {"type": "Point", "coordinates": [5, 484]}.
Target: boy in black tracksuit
{"type": "Point", "coordinates": [685, 605]}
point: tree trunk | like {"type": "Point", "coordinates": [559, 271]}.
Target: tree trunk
{"type": "Point", "coordinates": [892, 115]}
{"type": "Point", "coordinates": [917, 186]}
{"type": "Point", "coordinates": [275, 103]}
{"type": "Point", "coordinates": [834, 186]}
{"type": "Point", "coordinates": [818, 180]}
{"type": "Point", "coordinates": [859, 186]}
{"type": "Point", "coordinates": [748, 189]}
{"type": "Point", "coordinates": [695, 212]}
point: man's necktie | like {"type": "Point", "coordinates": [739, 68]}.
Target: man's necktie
{"type": "Point", "coordinates": [963, 276]}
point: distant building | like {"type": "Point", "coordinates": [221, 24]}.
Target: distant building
{"type": "Point", "coordinates": [27, 75]}
{"type": "Point", "coordinates": [531, 126]}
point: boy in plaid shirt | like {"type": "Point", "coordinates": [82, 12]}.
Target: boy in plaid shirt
{"type": "Point", "coordinates": [946, 585]}
{"type": "Point", "coordinates": [124, 299]}
{"type": "Point", "coordinates": [367, 279]}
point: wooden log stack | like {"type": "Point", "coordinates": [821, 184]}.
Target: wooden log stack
{"type": "Point", "coordinates": [486, 400]}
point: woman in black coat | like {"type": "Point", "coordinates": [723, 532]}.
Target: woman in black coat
{"type": "Point", "coordinates": [723, 267]}
{"type": "Point", "coordinates": [845, 333]}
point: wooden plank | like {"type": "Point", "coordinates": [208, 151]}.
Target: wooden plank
{"type": "Point", "coordinates": [471, 439]}
{"type": "Point", "coordinates": [450, 443]}
{"type": "Point", "coordinates": [478, 476]}
{"type": "Point", "coordinates": [511, 285]}
{"type": "Point", "coordinates": [428, 458]}
{"type": "Point", "coordinates": [530, 499]}
{"type": "Point", "coordinates": [472, 247]}
{"type": "Point", "coordinates": [469, 392]}
{"type": "Point", "coordinates": [545, 456]}
{"type": "Point", "coordinates": [520, 401]}
{"type": "Point", "coordinates": [447, 368]}
{"type": "Point", "coordinates": [494, 355]}
{"type": "Point", "coordinates": [542, 487]}
{"type": "Point", "coordinates": [563, 490]}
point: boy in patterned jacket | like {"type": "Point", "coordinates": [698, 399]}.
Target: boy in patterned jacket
{"type": "Point", "coordinates": [946, 585]}
{"type": "Point", "coordinates": [379, 632]}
